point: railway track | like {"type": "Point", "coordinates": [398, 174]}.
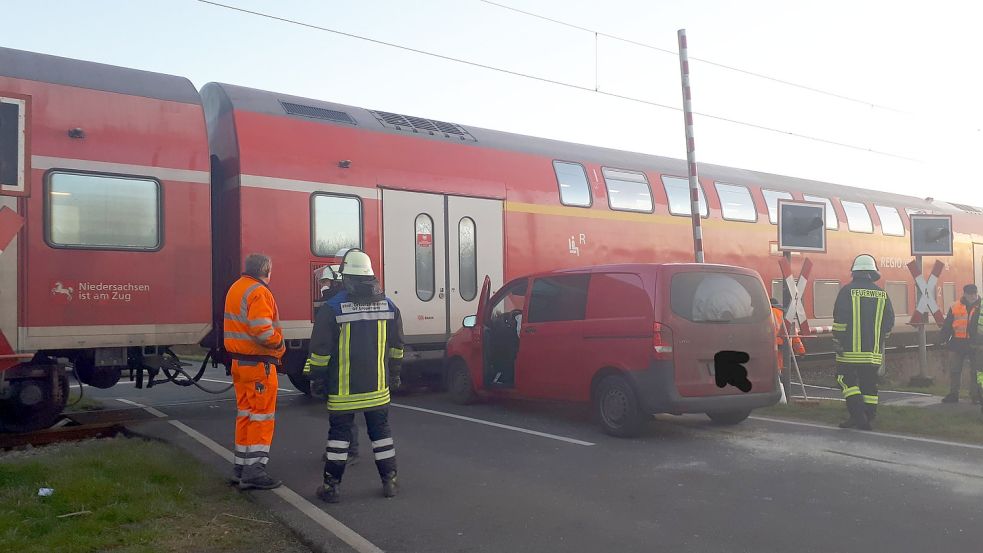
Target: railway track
{"type": "Point", "coordinates": [75, 426]}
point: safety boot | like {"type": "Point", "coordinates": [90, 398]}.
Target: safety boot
{"type": "Point", "coordinates": [858, 417]}
{"type": "Point", "coordinates": [255, 477]}
{"type": "Point", "coordinates": [236, 475]}
{"type": "Point", "coordinates": [330, 491]}
{"type": "Point", "coordinates": [389, 485]}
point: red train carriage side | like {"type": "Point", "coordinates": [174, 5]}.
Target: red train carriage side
{"type": "Point", "coordinates": [112, 262]}
{"type": "Point", "coordinates": [441, 205]}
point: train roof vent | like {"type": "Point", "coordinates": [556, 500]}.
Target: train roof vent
{"type": "Point", "coordinates": [317, 113]}
{"type": "Point", "coordinates": [421, 125]}
{"type": "Point", "coordinates": [968, 208]}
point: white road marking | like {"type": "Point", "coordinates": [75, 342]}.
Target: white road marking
{"type": "Point", "coordinates": [326, 521]}
{"type": "Point", "coordinates": [495, 424]}
{"type": "Point", "coordinates": [230, 382]}
{"type": "Point", "coordinates": [875, 433]}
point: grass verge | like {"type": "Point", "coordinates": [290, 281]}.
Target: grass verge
{"type": "Point", "coordinates": [956, 424]}
{"type": "Point", "coordinates": [127, 495]}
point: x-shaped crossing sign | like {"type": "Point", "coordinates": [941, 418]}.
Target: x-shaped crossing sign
{"type": "Point", "coordinates": [10, 224]}
{"type": "Point", "coordinates": [926, 287]}
{"type": "Point", "coordinates": [796, 312]}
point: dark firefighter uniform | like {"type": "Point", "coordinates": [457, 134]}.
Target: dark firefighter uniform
{"type": "Point", "coordinates": [959, 330]}
{"type": "Point", "coordinates": [357, 345]}
{"type": "Point", "coordinates": [862, 320]}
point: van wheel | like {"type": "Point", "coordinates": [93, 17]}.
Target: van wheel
{"type": "Point", "coordinates": [617, 407]}
{"type": "Point", "coordinates": [729, 417]}
{"type": "Point", "coordinates": [460, 388]}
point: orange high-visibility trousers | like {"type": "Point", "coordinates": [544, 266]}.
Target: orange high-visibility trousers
{"type": "Point", "coordinates": [256, 387]}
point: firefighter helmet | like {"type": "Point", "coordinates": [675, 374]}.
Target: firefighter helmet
{"type": "Point", "coordinates": [864, 262]}
{"type": "Point", "coordinates": [328, 272]}
{"type": "Point", "coordinates": [357, 263]}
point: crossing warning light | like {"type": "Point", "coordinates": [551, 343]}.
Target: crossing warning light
{"type": "Point", "coordinates": [931, 234]}
{"type": "Point", "coordinates": [801, 226]}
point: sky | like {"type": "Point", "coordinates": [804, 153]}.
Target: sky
{"type": "Point", "coordinates": [915, 66]}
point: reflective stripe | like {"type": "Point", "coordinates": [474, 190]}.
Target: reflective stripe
{"type": "Point", "coordinates": [341, 444]}
{"type": "Point", "coordinates": [365, 316]}
{"type": "Point", "coordinates": [251, 448]}
{"type": "Point", "coordinates": [383, 442]}
{"type": "Point", "coordinates": [878, 320]}
{"type": "Point", "coordinates": [337, 456]}
{"type": "Point", "coordinates": [265, 335]}
{"type": "Point", "coordinates": [236, 318]}
{"type": "Point", "coordinates": [385, 454]}
{"type": "Point", "coordinates": [265, 417]}
{"type": "Point", "coordinates": [344, 365]}
{"type": "Point", "coordinates": [239, 336]}
{"type": "Point", "coordinates": [316, 357]}
{"type": "Point", "coordinates": [395, 353]}
{"type": "Point", "coordinates": [839, 327]}
{"type": "Point", "coordinates": [979, 378]}
{"type": "Point", "coordinates": [358, 401]}
{"type": "Point", "coordinates": [855, 305]}
{"type": "Point", "coordinates": [380, 351]}
{"type": "Point", "coordinates": [851, 391]}
{"type": "Point", "coordinates": [262, 321]}
{"type": "Point", "coordinates": [241, 413]}
{"type": "Point", "coordinates": [252, 461]}
{"type": "Point", "coordinates": [244, 303]}
{"type": "Point", "coordinates": [870, 400]}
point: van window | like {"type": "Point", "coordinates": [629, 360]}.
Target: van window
{"type": "Point", "coordinates": [832, 222]}
{"type": "Point", "coordinates": [778, 289]}
{"type": "Point", "coordinates": [558, 298]}
{"type": "Point", "coordinates": [857, 217]}
{"type": "Point", "coordinates": [617, 295]}
{"type": "Point", "coordinates": [705, 297]}
{"type": "Point", "coordinates": [771, 200]}
{"type": "Point", "coordinates": [736, 203]}
{"type": "Point", "coordinates": [677, 190]}
{"type": "Point", "coordinates": [574, 188]}
{"type": "Point", "coordinates": [513, 299]}
{"type": "Point", "coordinates": [627, 190]}
{"type": "Point", "coordinates": [824, 294]}
{"type": "Point", "coordinates": [891, 224]}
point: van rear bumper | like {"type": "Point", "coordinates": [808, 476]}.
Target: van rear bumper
{"type": "Point", "coordinates": [657, 392]}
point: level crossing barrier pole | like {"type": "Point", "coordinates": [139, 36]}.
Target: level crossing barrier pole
{"type": "Point", "coordinates": [922, 339]}
{"type": "Point", "coordinates": [786, 345]}
{"type": "Point", "coordinates": [694, 180]}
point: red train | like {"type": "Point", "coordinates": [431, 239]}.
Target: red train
{"type": "Point", "coordinates": [137, 197]}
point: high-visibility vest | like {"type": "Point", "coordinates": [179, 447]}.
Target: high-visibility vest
{"type": "Point", "coordinates": [252, 322]}
{"type": "Point", "coordinates": [960, 320]}
{"type": "Point", "coordinates": [779, 317]}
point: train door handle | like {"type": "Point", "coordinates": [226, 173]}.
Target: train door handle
{"type": "Point", "coordinates": [441, 294]}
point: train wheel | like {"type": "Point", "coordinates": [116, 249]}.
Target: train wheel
{"type": "Point", "coordinates": [31, 404]}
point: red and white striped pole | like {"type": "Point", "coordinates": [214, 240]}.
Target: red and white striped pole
{"type": "Point", "coordinates": [694, 180]}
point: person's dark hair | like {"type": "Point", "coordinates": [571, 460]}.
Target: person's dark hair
{"type": "Point", "coordinates": [866, 275]}
{"type": "Point", "coordinates": [970, 289]}
{"type": "Point", "coordinates": [258, 265]}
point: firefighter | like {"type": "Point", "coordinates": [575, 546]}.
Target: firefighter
{"type": "Point", "coordinates": [959, 331]}
{"type": "Point", "coordinates": [254, 342]}
{"type": "Point", "coordinates": [329, 280]}
{"type": "Point", "coordinates": [357, 347]}
{"type": "Point", "coordinates": [780, 330]}
{"type": "Point", "coordinates": [862, 321]}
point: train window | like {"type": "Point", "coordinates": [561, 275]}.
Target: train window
{"type": "Point", "coordinates": [336, 223]}
{"type": "Point", "coordinates": [677, 190]}
{"type": "Point", "coordinates": [897, 292]}
{"type": "Point", "coordinates": [778, 289]}
{"type": "Point", "coordinates": [857, 217]}
{"type": "Point", "coordinates": [467, 256]}
{"type": "Point", "coordinates": [771, 200]}
{"type": "Point", "coordinates": [890, 221]}
{"type": "Point", "coordinates": [832, 222]}
{"type": "Point", "coordinates": [824, 294]}
{"type": "Point", "coordinates": [559, 298]}
{"type": "Point", "coordinates": [424, 257]}
{"type": "Point", "coordinates": [627, 190]}
{"type": "Point", "coordinates": [736, 203]}
{"type": "Point", "coordinates": [13, 124]}
{"type": "Point", "coordinates": [574, 188]}
{"type": "Point", "coordinates": [87, 210]}
{"type": "Point", "coordinates": [948, 295]}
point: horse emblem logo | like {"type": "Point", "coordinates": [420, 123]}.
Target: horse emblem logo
{"type": "Point", "coordinates": [60, 289]}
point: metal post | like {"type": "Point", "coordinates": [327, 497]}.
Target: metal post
{"type": "Point", "coordinates": [787, 345]}
{"type": "Point", "coordinates": [694, 181]}
{"type": "Point", "coordinates": [922, 339]}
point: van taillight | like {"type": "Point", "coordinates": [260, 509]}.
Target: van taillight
{"type": "Point", "coordinates": [662, 341]}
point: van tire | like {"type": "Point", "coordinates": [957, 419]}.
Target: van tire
{"type": "Point", "coordinates": [460, 388]}
{"type": "Point", "coordinates": [617, 408]}
{"type": "Point", "coordinates": [728, 418]}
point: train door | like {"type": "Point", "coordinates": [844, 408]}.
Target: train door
{"type": "Point", "coordinates": [435, 248]}
{"type": "Point", "coordinates": [978, 264]}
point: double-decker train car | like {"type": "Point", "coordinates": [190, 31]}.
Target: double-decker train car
{"type": "Point", "coordinates": [135, 186]}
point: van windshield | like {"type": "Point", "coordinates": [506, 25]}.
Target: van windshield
{"type": "Point", "coordinates": [710, 297]}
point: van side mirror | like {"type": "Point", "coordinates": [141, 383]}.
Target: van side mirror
{"type": "Point", "coordinates": [470, 321]}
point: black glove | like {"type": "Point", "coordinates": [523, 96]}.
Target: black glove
{"type": "Point", "coordinates": [394, 369]}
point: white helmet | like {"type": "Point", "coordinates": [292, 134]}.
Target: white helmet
{"type": "Point", "coordinates": [356, 263]}
{"type": "Point", "coordinates": [328, 272]}
{"type": "Point", "coordinates": [864, 262]}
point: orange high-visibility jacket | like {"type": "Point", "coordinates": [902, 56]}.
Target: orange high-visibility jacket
{"type": "Point", "coordinates": [252, 321]}
{"type": "Point", "coordinates": [779, 316]}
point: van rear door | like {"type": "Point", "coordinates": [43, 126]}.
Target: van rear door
{"type": "Point", "coordinates": [718, 309]}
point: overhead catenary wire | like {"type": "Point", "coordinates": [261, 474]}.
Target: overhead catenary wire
{"type": "Point", "coordinates": [555, 82]}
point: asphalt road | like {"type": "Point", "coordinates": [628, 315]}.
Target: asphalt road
{"type": "Point", "coordinates": [684, 486]}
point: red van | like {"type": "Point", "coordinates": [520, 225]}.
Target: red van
{"type": "Point", "coordinates": [634, 340]}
